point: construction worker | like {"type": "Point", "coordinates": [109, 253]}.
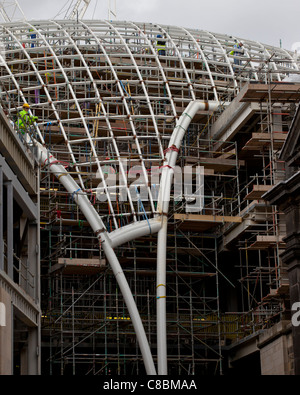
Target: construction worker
{"type": "Point", "coordinates": [33, 37]}
{"type": "Point", "coordinates": [238, 51]}
{"type": "Point", "coordinates": [161, 46]}
{"type": "Point", "coordinates": [25, 119]}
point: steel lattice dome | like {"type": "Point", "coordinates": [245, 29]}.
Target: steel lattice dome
{"type": "Point", "coordinates": [102, 91]}
{"type": "Point", "coordinates": [116, 101]}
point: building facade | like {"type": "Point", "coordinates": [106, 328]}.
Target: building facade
{"type": "Point", "coordinates": [20, 338]}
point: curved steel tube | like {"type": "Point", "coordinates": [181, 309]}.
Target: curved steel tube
{"type": "Point", "coordinates": [134, 231]}
{"type": "Point", "coordinates": [163, 206]}
{"type": "Point", "coordinates": [196, 64]}
{"type": "Point", "coordinates": [97, 225]}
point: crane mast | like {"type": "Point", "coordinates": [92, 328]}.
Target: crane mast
{"type": "Point", "coordinates": [11, 11]}
{"type": "Point", "coordinates": [79, 9]}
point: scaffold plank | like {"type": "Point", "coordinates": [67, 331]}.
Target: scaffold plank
{"type": "Point", "coordinates": [207, 218]}
{"type": "Point", "coordinates": [261, 140]}
{"type": "Point", "coordinates": [217, 164]}
{"type": "Point", "coordinates": [280, 92]}
{"type": "Point", "coordinates": [263, 242]}
{"type": "Point", "coordinates": [258, 191]}
{"type": "Point", "coordinates": [79, 266]}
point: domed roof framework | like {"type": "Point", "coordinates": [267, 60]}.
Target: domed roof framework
{"type": "Point", "coordinates": [106, 97]}
{"type": "Point", "coordinates": [76, 74]}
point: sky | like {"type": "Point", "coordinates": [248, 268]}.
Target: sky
{"type": "Point", "coordinates": [273, 22]}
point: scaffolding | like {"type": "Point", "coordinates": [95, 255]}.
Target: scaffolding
{"type": "Point", "coordinates": [75, 255]}
{"type": "Point", "coordinates": [107, 104]}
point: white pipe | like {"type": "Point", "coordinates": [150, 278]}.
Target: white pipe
{"type": "Point", "coordinates": [98, 227]}
{"type": "Point", "coordinates": [163, 208]}
{"type": "Point", "coordinates": [134, 231]}
{"type": "Point", "coordinates": [161, 295]}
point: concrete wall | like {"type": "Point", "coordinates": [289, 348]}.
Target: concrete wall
{"type": "Point", "coordinates": [6, 334]}
{"type": "Point", "coordinates": [276, 350]}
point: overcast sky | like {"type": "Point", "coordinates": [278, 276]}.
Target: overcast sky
{"type": "Point", "coordinates": [267, 21]}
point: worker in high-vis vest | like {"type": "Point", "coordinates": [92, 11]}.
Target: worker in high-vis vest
{"type": "Point", "coordinates": [161, 46]}
{"type": "Point", "coordinates": [237, 52]}
{"type": "Point", "coordinates": [25, 119]}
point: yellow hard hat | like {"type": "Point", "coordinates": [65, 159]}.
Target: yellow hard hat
{"type": "Point", "coordinates": [25, 105]}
